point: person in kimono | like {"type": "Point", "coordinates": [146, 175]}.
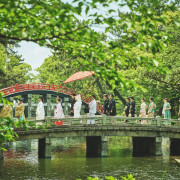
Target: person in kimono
{"type": "Point", "coordinates": [92, 110]}
{"type": "Point", "coordinates": [143, 110]}
{"type": "Point", "coordinates": [77, 106]}
{"type": "Point", "coordinates": [112, 106]}
{"type": "Point", "coordinates": [6, 111]}
{"type": "Point", "coordinates": [58, 112]}
{"type": "Point", "coordinates": [40, 112]}
{"type": "Point", "coordinates": [19, 110]}
{"type": "Point", "coordinates": [72, 104]}
{"type": "Point", "coordinates": [127, 106]}
{"type": "Point", "coordinates": [151, 109]}
{"type": "Point", "coordinates": [126, 109]}
{"type": "Point", "coordinates": [132, 106]}
{"type": "Point", "coordinates": [167, 110]}
{"type": "Point", "coordinates": [106, 104]}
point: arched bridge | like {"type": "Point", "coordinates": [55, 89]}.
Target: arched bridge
{"type": "Point", "coordinates": [43, 89]}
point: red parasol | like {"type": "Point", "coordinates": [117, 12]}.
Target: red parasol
{"type": "Point", "coordinates": [78, 75]}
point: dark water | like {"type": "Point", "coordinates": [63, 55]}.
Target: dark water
{"type": "Point", "coordinates": [69, 162]}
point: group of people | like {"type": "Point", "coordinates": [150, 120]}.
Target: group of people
{"type": "Point", "coordinates": [109, 108]}
{"type": "Point", "coordinates": [76, 107]}
{"type": "Point", "coordinates": [146, 111]}
{"type": "Point", "coordinates": [6, 110]}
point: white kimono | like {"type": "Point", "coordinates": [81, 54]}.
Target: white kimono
{"type": "Point", "coordinates": [77, 106]}
{"type": "Point", "coordinates": [40, 113]}
{"type": "Point", "coordinates": [58, 112]}
{"type": "Point", "coordinates": [92, 111]}
{"type": "Point", "coordinates": [92, 107]}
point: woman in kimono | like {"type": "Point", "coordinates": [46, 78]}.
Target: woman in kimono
{"type": "Point", "coordinates": [77, 106]}
{"type": "Point", "coordinates": [40, 112]}
{"type": "Point", "coordinates": [6, 111]}
{"type": "Point", "coordinates": [166, 110]}
{"type": "Point", "coordinates": [58, 112]}
{"type": "Point", "coordinates": [19, 110]}
{"type": "Point", "coordinates": [143, 110]}
{"type": "Point", "coordinates": [151, 109]}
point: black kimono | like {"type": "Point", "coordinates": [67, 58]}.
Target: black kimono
{"type": "Point", "coordinates": [105, 107]}
{"type": "Point", "coordinates": [132, 108]}
{"type": "Point", "coordinates": [72, 107]}
{"type": "Point", "coordinates": [127, 109]}
{"type": "Point", "coordinates": [112, 107]}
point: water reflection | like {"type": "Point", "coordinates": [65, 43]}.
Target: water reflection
{"type": "Point", "coordinates": [68, 162]}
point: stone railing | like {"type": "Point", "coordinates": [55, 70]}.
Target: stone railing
{"type": "Point", "coordinates": [110, 121]}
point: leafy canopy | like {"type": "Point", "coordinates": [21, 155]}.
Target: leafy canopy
{"type": "Point", "coordinates": [55, 24]}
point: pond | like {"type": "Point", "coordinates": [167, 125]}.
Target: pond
{"type": "Point", "coordinates": [69, 162]}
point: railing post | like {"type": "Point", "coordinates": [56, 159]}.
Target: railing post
{"type": "Point", "coordinates": [104, 119]}
{"type": "Point", "coordinates": [48, 97]}
{"type": "Point", "coordinates": [82, 109]}
{"type": "Point", "coordinates": [12, 99]}
{"type": "Point", "coordinates": [48, 120]}
{"type": "Point", "coordinates": [66, 101]}
{"type": "Point", "coordinates": [16, 87]}
{"type": "Point", "coordinates": [29, 105]}
{"type": "Point", "coordinates": [11, 88]}
{"type": "Point", "coordinates": [158, 121]}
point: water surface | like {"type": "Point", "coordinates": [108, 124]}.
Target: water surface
{"type": "Point", "coordinates": [69, 162]}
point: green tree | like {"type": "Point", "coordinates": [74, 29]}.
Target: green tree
{"type": "Point", "coordinates": [12, 69]}
{"type": "Point", "coordinates": [55, 24]}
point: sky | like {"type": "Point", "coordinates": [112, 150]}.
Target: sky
{"type": "Point", "coordinates": [35, 55]}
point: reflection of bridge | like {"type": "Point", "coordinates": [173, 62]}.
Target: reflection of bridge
{"type": "Point", "coordinates": [147, 139]}
{"type": "Point", "coordinates": [26, 91]}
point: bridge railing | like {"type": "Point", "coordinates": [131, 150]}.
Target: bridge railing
{"type": "Point", "coordinates": [110, 121]}
{"type": "Point", "coordinates": [104, 121]}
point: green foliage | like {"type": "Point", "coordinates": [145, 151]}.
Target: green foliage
{"type": "Point", "coordinates": [128, 177]}
{"type": "Point", "coordinates": [158, 79]}
{"type": "Point", "coordinates": [156, 83]}
{"type": "Point", "coordinates": [8, 125]}
{"type": "Point", "coordinates": [12, 69]}
{"type": "Point", "coordinates": [119, 62]}
{"type": "Point", "coordinates": [55, 24]}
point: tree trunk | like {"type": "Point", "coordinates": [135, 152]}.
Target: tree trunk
{"type": "Point", "coordinates": [99, 86]}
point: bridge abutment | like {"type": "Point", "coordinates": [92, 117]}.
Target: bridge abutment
{"type": "Point", "coordinates": [145, 146]}
{"type": "Point", "coordinates": [96, 146]}
{"type": "Point", "coordinates": [44, 148]}
{"type": "Point", "coordinates": [174, 147]}
{"type": "Point", "coordinates": [104, 146]}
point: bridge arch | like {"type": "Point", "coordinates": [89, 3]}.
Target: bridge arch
{"type": "Point", "coordinates": [44, 89]}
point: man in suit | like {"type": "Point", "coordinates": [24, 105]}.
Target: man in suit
{"type": "Point", "coordinates": [132, 106]}
{"type": "Point", "coordinates": [112, 106]}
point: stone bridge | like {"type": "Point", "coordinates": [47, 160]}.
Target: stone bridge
{"type": "Point", "coordinates": [146, 139]}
